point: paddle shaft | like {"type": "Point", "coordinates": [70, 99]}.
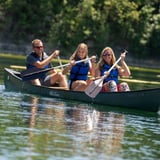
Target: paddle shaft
{"type": "Point", "coordinates": [65, 65]}
{"type": "Point", "coordinates": [60, 62]}
{"type": "Point", "coordinates": [112, 67]}
{"type": "Point", "coordinates": [34, 71]}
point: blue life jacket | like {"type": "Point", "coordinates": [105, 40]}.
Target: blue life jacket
{"type": "Point", "coordinates": [113, 74]}
{"type": "Point", "coordinates": [33, 54]}
{"type": "Point", "coordinates": [79, 71]}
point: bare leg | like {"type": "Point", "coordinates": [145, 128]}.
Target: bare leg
{"type": "Point", "coordinates": [79, 85]}
{"type": "Point", "coordinates": [61, 79]}
{"type": "Point", "coordinates": [112, 86]}
{"type": "Point", "coordinates": [36, 82]}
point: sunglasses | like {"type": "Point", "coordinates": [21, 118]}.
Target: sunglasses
{"type": "Point", "coordinates": [106, 54]}
{"type": "Point", "coordinates": [38, 47]}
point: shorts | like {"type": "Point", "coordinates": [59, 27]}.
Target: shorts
{"type": "Point", "coordinates": [46, 81]}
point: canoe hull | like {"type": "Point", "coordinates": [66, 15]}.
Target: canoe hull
{"type": "Point", "coordinates": [147, 100]}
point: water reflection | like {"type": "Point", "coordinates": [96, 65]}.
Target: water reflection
{"type": "Point", "coordinates": [45, 123]}
{"type": "Point", "coordinates": [72, 129]}
{"type": "Point", "coordinates": [102, 130]}
{"type": "Point", "coordinates": [34, 127]}
{"type": "Point", "coordinates": [33, 112]}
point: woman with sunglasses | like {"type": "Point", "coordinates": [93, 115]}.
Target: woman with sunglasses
{"type": "Point", "coordinates": [39, 59]}
{"type": "Point", "coordinates": [110, 84]}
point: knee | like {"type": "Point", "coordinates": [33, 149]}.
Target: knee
{"type": "Point", "coordinates": [124, 87]}
{"type": "Point", "coordinates": [83, 83]}
{"type": "Point", "coordinates": [79, 85]}
{"type": "Point", "coordinates": [112, 86]}
{"type": "Point", "coordinates": [60, 75]}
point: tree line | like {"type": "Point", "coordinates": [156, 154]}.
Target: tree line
{"type": "Point", "coordinates": [129, 24]}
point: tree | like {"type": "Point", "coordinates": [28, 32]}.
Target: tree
{"type": "Point", "coordinates": [129, 24]}
{"type": "Point", "coordinates": [26, 19]}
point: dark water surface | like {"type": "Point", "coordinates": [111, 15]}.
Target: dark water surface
{"type": "Point", "coordinates": [39, 128]}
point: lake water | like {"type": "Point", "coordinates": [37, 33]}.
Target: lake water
{"type": "Point", "coordinates": [40, 128]}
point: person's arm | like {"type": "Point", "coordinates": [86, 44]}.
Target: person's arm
{"type": "Point", "coordinates": [97, 73]}
{"type": "Point", "coordinates": [92, 66]}
{"type": "Point", "coordinates": [42, 64]}
{"type": "Point", "coordinates": [68, 68]}
{"type": "Point", "coordinates": [124, 70]}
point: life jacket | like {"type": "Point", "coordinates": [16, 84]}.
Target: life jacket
{"type": "Point", "coordinates": [33, 54]}
{"type": "Point", "coordinates": [79, 71]}
{"type": "Point", "coordinates": [113, 74]}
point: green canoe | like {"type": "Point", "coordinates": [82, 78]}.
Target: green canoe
{"type": "Point", "coordinates": [147, 100]}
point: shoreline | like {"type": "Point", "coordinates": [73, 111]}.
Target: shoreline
{"type": "Point", "coordinates": [24, 49]}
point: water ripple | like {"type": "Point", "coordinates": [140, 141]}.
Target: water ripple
{"type": "Point", "coordinates": [33, 127]}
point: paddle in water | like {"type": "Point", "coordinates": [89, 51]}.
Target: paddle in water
{"type": "Point", "coordinates": [33, 73]}
{"type": "Point", "coordinates": [95, 86]}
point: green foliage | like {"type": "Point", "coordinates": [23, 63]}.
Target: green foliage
{"type": "Point", "coordinates": [82, 22]}
{"type": "Point", "coordinates": [28, 18]}
{"type": "Point", "coordinates": [130, 24]}
{"type": "Point", "coordinates": [153, 44]}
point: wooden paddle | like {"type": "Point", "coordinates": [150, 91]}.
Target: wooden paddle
{"type": "Point", "coordinates": [33, 73]}
{"type": "Point", "coordinates": [95, 86]}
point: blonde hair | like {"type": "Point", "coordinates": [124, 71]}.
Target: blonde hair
{"type": "Point", "coordinates": [101, 61]}
{"type": "Point", "coordinates": [36, 41]}
{"type": "Point", "coordinates": [80, 46]}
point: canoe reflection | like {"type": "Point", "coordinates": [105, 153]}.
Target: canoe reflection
{"type": "Point", "coordinates": [65, 125]}
{"type": "Point", "coordinates": [103, 130]}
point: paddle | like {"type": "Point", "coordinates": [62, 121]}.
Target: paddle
{"type": "Point", "coordinates": [33, 73]}
{"type": "Point", "coordinates": [60, 62]}
{"type": "Point", "coordinates": [95, 87]}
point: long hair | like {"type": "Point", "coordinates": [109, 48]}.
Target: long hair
{"type": "Point", "coordinates": [74, 56]}
{"type": "Point", "coordinates": [101, 61]}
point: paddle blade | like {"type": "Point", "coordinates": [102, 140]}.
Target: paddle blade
{"type": "Point", "coordinates": [94, 88]}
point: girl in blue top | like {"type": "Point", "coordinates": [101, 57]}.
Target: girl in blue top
{"type": "Point", "coordinates": [110, 83]}
{"type": "Point", "coordinates": [78, 78]}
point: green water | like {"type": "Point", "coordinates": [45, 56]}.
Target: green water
{"type": "Point", "coordinates": [40, 128]}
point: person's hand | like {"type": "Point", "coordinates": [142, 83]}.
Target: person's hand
{"type": "Point", "coordinates": [106, 73]}
{"type": "Point", "coordinates": [123, 55]}
{"type": "Point", "coordinates": [55, 53]}
{"type": "Point", "coordinates": [72, 63]}
{"type": "Point", "coordinates": [93, 59]}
